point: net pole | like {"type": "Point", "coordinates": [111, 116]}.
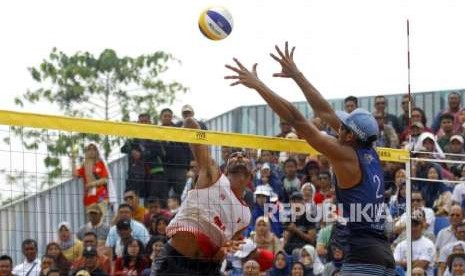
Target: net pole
{"type": "Point", "coordinates": [408, 164]}
{"type": "Point", "coordinates": [408, 188]}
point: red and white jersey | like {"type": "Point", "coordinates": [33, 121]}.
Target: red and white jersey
{"type": "Point", "coordinates": [214, 212]}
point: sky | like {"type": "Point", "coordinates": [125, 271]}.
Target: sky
{"type": "Point", "coordinates": [343, 47]}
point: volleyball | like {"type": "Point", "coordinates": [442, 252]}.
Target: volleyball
{"type": "Point", "coordinates": [215, 23]}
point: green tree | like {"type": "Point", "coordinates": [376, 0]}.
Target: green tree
{"type": "Point", "coordinates": [103, 87]}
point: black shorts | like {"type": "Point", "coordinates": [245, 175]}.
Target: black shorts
{"type": "Point", "coordinates": [369, 250]}
{"type": "Point", "coordinates": [171, 262]}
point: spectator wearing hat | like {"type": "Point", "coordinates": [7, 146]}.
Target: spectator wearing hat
{"type": "Point", "coordinates": [263, 196]}
{"type": "Point", "coordinates": [6, 265]}
{"type": "Point", "coordinates": [300, 230]}
{"type": "Point", "coordinates": [123, 228]}
{"type": "Point", "coordinates": [90, 240]}
{"type": "Point", "coordinates": [270, 181]}
{"type": "Point", "coordinates": [91, 264]}
{"type": "Point", "coordinates": [188, 112]}
{"type": "Point", "coordinates": [423, 251]}
{"type": "Point", "coordinates": [69, 244]}
{"type": "Point", "coordinates": [96, 224]}
{"type": "Point", "coordinates": [456, 147]}
{"type": "Point", "coordinates": [138, 230]}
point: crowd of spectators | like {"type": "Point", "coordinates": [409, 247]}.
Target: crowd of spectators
{"type": "Point", "coordinates": [161, 173]}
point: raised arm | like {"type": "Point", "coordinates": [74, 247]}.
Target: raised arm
{"type": "Point", "coordinates": [323, 143]}
{"type": "Point", "coordinates": [208, 171]}
{"type": "Point", "coordinates": [289, 69]}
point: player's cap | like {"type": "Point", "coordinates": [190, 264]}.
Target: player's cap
{"type": "Point", "coordinates": [265, 166]}
{"type": "Point", "coordinates": [361, 123]}
{"type": "Point", "coordinates": [457, 138]}
{"type": "Point", "coordinates": [262, 190]}
{"type": "Point", "coordinates": [94, 208]}
{"type": "Point", "coordinates": [245, 249]}
{"type": "Point", "coordinates": [187, 108]}
{"type": "Point", "coordinates": [89, 251]}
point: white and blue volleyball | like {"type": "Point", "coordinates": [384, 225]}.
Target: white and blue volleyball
{"type": "Point", "coordinates": [215, 23]}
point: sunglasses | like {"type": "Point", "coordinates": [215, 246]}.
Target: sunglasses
{"type": "Point", "coordinates": [416, 200]}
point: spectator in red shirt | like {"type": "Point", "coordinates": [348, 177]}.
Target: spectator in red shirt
{"type": "Point", "coordinates": [325, 187]}
{"type": "Point", "coordinates": [94, 175]}
{"type": "Point", "coordinates": [133, 261]}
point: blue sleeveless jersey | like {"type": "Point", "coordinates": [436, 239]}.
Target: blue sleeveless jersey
{"type": "Point", "coordinates": [363, 205]}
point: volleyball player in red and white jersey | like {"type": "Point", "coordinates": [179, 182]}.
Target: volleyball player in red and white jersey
{"type": "Point", "coordinates": [210, 221]}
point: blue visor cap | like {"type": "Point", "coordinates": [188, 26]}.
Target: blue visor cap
{"type": "Point", "coordinates": [360, 122]}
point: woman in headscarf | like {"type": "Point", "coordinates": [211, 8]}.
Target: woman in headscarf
{"type": "Point", "coordinates": [281, 264]}
{"type": "Point", "coordinates": [95, 176]}
{"type": "Point", "coordinates": [71, 247]}
{"type": "Point", "coordinates": [311, 261]}
{"type": "Point", "coordinates": [337, 257]}
{"type": "Point", "coordinates": [427, 142]}
{"type": "Point", "coordinates": [308, 191]}
{"type": "Point", "coordinates": [61, 263]}
{"type": "Point", "coordinates": [263, 237]}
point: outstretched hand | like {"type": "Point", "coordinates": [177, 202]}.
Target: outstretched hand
{"type": "Point", "coordinates": [288, 67]}
{"type": "Point", "coordinates": [244, 76]}
{"type": "Point", "coordinates": [232, 246]}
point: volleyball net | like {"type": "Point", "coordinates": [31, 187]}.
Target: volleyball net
{"type": "Point", "coordinates": [36, 198]}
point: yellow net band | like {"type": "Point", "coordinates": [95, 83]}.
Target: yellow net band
{"type": "Point", "coordinates": [134, 130]}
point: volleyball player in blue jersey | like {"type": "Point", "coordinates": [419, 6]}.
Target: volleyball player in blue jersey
{"type": "Point", "coordinates": [360, 186]}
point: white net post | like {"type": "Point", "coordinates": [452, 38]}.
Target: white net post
{"type": "Point", "coordinates": [408, 229]}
